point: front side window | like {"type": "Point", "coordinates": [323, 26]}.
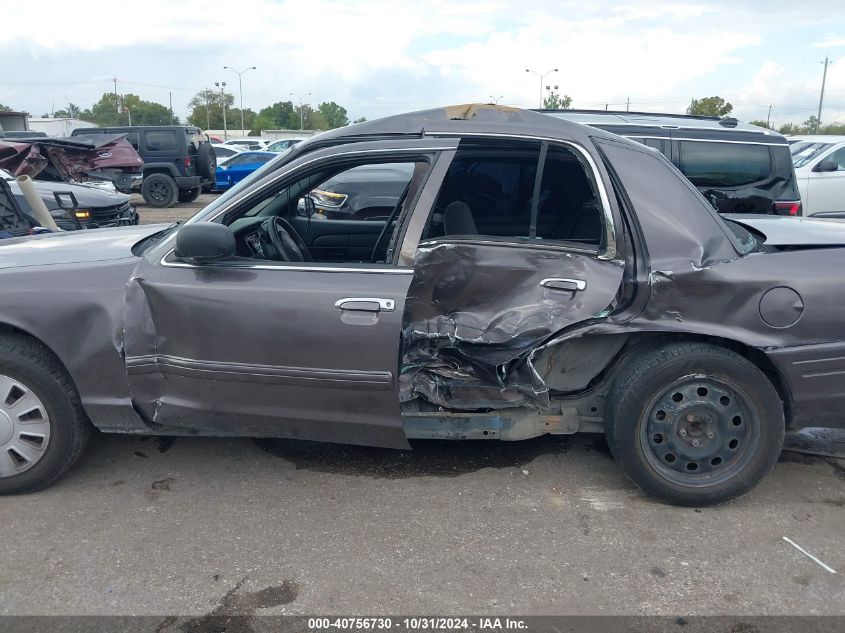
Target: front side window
{"type": "Point", "coordinates": [161, 140]}
{"type": "Point", "coordinates": [714, 164]}
{"type": "Point", "coordinates": [838, 157]}
{"type": "Point", "coordinates": [344, 213]}
{"type": "Point", "coordinates": [804, 152]}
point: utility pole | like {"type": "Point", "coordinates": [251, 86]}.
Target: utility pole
{"type": "Point", "coordinates": [769, 118]}
{"type": "Point", "coordinates": [222, 86]}
{"type": "Point", "coordinates": [241, 90]}
{"type": "Point", "coordinates": [542, 76]}
{"type": "Point", "coordinates": [207, 108]}
{"type": "Point", "coordinates": [826, 63]}
{"type": "Point", "coordinates": [170, 95]}
{"type": "Point", "coordinates": [301, 118]}
{"type": "Point", "coordinates": [628, 104]}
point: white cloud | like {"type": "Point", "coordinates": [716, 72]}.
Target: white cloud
{"type": "Point", "coordinates": [379, 56]}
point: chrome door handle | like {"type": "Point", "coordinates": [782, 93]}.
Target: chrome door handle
{"type": "Point", "coordinates": [366, 304]}
{"type": "Point", "coordinates": [555, 283]}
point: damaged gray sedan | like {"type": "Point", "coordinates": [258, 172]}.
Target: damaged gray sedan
{"type": "Point", "coordinates": [533, 276]}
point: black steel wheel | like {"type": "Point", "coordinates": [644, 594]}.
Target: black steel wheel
{"type": "Point", "coordinates": [159, 191]}
{"type": "Point", "coordinates": [695, 424]}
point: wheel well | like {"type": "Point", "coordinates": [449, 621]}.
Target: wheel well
{"type": "Point", "coordinates": [7, 328]}
{"type": "Point", "coordinates": [157, 170]}
{"type": "Point", "coordinates": [758, 358]}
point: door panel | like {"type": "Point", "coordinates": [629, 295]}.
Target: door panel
{"type": "Point", "coordinates": [826, 192]}
{"type": "Point", "coordinates": [476, 311]}
{"type": "Point", "coordinates": [227, 350]}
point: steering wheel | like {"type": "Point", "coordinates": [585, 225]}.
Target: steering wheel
{"type": "Point", "coordinates": [284, 240]}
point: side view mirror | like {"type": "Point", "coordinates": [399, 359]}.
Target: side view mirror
{"type": "Point", "coordinates": [205, 243]}
{"type": "Point", "coordinates": [305, 207]}
{"type": "Point", "coordinates": [827, 165]}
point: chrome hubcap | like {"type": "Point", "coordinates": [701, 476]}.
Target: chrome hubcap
{"type": "Point", "coordinates": [24, 427]}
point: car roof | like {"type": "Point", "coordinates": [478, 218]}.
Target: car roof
{"type": "Point", "coordinates": [658, 119]}
{"type": "Point", "coordinates": [819, 138]}
{"type": "Point", "coordinates": [464, 120]}
{"type": "Point", "coordinates": [134, 128]}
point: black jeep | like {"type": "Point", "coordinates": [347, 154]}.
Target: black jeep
{"type": "Point", "coordinates": [178, 160]}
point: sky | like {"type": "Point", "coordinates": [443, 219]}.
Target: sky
{"type": "Point", "coordinates": [381, 57]}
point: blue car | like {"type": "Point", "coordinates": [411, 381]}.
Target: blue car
{"type": "Point", "coordinates": [234, 169]}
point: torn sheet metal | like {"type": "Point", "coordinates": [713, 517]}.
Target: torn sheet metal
{"type": "Point", "coordinates": [68, 159]}
{"type": "Point", "coordinates": [475, 312]}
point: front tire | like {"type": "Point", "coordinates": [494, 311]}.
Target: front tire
{"type": "Point", "coordinates": [43, 429]}
{"type": "Point", "coordinates": [695, 424]}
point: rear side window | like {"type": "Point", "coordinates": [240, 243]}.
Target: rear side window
{"type": "Point", "coordinates": [494, 196]}
{"type": "Point", "coordinates": [161, 140]}
{"type": "Point", "coordinates": [132, 137]}
{"type": "Point", "coordinates": [714, 164]}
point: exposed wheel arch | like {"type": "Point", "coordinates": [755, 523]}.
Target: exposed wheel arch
{"type": "Point", "coordinates": [641, 342]}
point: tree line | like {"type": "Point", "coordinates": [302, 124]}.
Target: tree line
{"type": "Point", "coordinates": [207, 112]}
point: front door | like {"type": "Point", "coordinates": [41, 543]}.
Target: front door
{"type": "Point", "coordinates": [826, 189]}
{"type": "Point", "coordinates": [267, 348]}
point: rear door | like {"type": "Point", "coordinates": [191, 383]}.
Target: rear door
{"type": "Point", "coordinates": [519, 246]}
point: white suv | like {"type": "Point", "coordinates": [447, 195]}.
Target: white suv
{"type": "Point", "coordinates": [820, 170]}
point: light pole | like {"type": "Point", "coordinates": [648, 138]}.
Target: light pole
{"type": "Point", "coordinates": [222, 86]}
{"type": "Point", "coordinates": [542, 76]}
{"type": "Point", "coordinates": [301, 119]}
{"type": "Point", "coordinates": [495, 100]}
{"type": "Point", "coordinates": [240, 89]}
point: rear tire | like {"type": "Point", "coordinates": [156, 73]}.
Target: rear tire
{"type": "Point", "coordinates": [695, 424]}
{"type": "Point", "coordinates": [38, 399]}
{"type": "Point", "coordinates": [159, 191]}
{"type": "Point", "coordinates": [189, 195]}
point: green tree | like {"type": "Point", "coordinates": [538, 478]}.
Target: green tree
{"type": "Point", "coordinates": [5, 108]}
{"type": "Point", "coordinates": [710, 106]}
{"type": "Point", "coordinates": [114, 109]}
{"type": "Point", "coordinates": [789, 128]}
{"type": "Point", "coordinates": [207, 110]}
{"type": "Point", "coordinates": [760, 123]}
{"type": "Point", "coordinates": [811, 125]}
{"type": "Point", "coordinates": [362, 119]}
{"type": "Point", "coordinates": [554, 101]}
{"type": "Point", "coordinates": [71, 112]}
{"type": "Point", "coordinates": [333, 114]}
{"type": "Point", "coordinates": [278, 116]}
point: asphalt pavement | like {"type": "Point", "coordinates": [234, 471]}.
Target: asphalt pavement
{"type": "Point", "coordinates": [192, 526]}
